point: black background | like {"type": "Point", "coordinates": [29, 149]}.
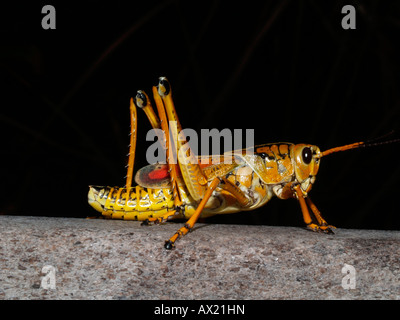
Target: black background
{"type": "Point", "coordinates": [286, 69]}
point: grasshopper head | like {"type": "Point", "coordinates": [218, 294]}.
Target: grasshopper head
{"type": "Point", "coordinates": [307, 158]}
{"type": "Point", "coordinates": [306, 164]}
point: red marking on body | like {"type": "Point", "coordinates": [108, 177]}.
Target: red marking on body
{"type": "Point", "coordinates": [159, 174]}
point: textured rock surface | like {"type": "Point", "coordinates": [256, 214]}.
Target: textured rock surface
{"type": "Point", "coordinates": [104, 259]}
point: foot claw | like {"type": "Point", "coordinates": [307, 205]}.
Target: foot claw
{"type": "Point", "coordinates": [325, 229]}
{"type": "Point", "coordinates": [151, 221]}
{"type": "Point", "coordinates": [169, 245]}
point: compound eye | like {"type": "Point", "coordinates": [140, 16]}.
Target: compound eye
{"type": "Point", "coordinates": [307, 155]}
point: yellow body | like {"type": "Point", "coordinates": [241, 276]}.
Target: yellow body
{"type": "Point", "coordinates": [260, 175]}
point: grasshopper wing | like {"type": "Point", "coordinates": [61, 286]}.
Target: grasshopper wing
{"type": "Point", "coordinates": [155, 176]}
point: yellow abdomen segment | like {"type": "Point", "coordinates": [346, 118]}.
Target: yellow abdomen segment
{"type": "Point", "coordinates": [139, 204]}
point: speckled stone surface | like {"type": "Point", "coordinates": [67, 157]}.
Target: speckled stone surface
{"type": "Point", "coordinates": [104, 259]}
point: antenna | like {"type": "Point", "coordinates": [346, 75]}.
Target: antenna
{"type": "Point", "coordinates": [357, 145]}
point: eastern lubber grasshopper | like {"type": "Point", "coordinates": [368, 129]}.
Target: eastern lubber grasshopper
{"type": "Point", "coordinates": [189, 186]}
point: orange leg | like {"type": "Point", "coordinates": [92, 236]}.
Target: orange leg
{"type": "Point", "coordinates": [236, 192]}
{"type": "Point", "coordinates": [169, 244]}
{"type": "Point", "coordinates": [306, 214]}
{"type": "Point", "coordinates": [188, 163]}
{"type": "Point", "coordinates": [132, 146]}
{"type": "Point", "coordinates": [322, 226]}
{"type": "Point", "coordinates": [166, 111]}
{"type": "Point", "coordinates": [322, 223]}
{"type": "Point", "coordinates": [142, 100]}
{"type": "Point", "coordinates": [172, 164]}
